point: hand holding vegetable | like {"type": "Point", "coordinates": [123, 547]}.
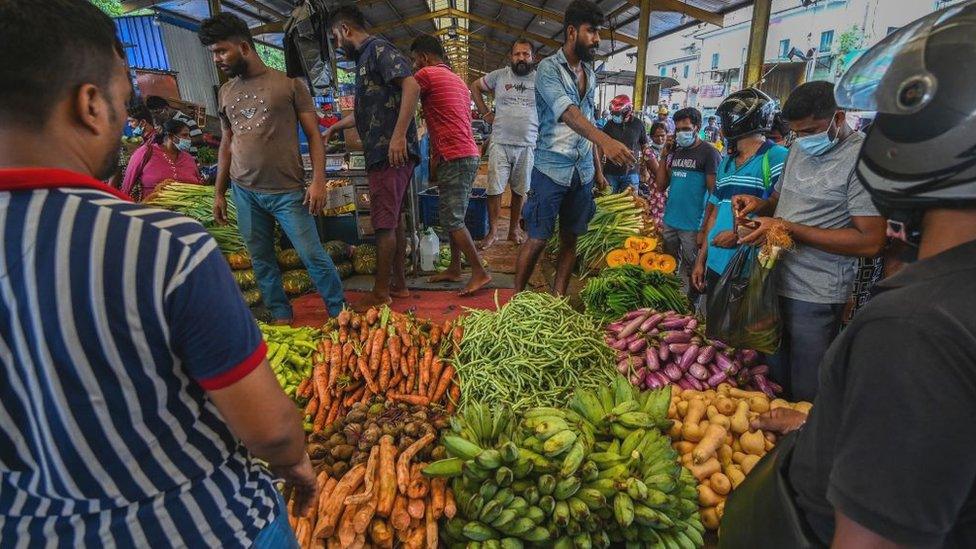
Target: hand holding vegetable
{"type": "Point", "coordinates": [725, 239]}
{"type": "Point", "coordinates": [780, 420]}
{"type": "Point", "coordinates": [745, 204]}
{"type": "Point", "coordinates": [762, 226]}
{"type": "Point", "coordinates": [300, 479]}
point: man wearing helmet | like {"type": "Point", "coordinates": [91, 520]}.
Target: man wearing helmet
{"type": "Point", "coordinates": [626, 128]}
{"type": "Point", "coordinates": [753, 166]}
{"type": "Point", "coordinates": [878, 463]}
{"type": "Point", "coordinates": [831, 218]}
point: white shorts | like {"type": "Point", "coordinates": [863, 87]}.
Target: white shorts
{"type": "Point", "coordinates": [509, 165]}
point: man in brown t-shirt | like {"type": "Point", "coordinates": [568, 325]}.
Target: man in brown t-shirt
{"type": "Point", "coordinates": [260, 109]}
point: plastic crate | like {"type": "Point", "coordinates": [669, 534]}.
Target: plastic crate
{"type": "Point", "coordinates": [475, 219]}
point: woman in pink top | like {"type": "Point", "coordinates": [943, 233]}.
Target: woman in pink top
{"type": "Point", "coordinates": [165, 157]}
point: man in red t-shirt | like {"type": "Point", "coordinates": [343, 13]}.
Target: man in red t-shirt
{"type": "Point", "coordinates": [446, 103]}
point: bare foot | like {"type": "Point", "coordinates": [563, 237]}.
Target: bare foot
{"type": "Point", "coordinates": [399, 293]}
{"type": "Point", "coordinates": [370, 300]}
{"type": "Point", "coordinates": [446, 276]}
{"type": "Point", "coordinates": [517, 237]}
{"type": "Point", "coordinates": [487, 241]}
{"type": "Point", "coordinates": [282, 322]}
{"type": "Point", "coordinates": [476, 283]}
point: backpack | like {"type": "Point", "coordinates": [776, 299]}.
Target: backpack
{"type": "Point", "coordinates": [308, 45]}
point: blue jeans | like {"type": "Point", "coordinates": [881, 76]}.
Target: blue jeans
{"type": "Point", "coordinates": [808, 329]}
{"type": "Point", "coordinates": [278, 534]}
{"type": "Point", "coordinates": [256, 215]}
{"type": "Point", "coordinates": [619, 183]}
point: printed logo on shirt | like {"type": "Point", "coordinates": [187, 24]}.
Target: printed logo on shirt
{"type": "Point", "coordinates": [686, 163]}
{"type": "Point", "coordinates": [247, 112]}
{"type": "Point", "coordinates": [520, 87]}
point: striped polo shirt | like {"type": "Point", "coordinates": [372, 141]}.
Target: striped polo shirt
{"type": "Point", "coordinates": [446, 102]}
{"type": "Point", "coordinates": [115, 318]}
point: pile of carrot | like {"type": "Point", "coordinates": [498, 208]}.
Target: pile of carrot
{"type": "Point", "coordinates": [383, 354]}
{"type": "Point", "coordinates": [383, 502]}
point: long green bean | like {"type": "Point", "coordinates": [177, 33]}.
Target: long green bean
{"type": "Point", "coordinates": [534, 351]}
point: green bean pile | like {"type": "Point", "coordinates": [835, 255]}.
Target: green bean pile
{"type": "Point", "coordinates": [534, 351]}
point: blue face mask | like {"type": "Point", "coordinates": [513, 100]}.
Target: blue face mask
{"type": "Point", "coordinates": [137, 131]}
{"type": "Point", "coordinates": [184, 144]}
{"type": "Point", "coordinates": [685, 138]}
{"type": "Point", "coordinates": [617, 119]}
{"type": "Point", "coordinates": [817, 144]}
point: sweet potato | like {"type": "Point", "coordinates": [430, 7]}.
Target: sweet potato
{"type": "Point", "coordinates": [345, 531]}
{"type": "Point", "coordinates": [415, 508]}
{"type": "Point", "coordinates": [387, 487]}
{"type": "Point", "coordinates": [336, 502]}
{"type": "Point", "coordinates": [369, 477]}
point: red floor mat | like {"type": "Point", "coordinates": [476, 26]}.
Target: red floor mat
{"type": "Point", "coordinates": [434, 305]}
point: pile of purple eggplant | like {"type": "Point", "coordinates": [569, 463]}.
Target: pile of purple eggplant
{"type": "Point", "coordinates": [657, 348]}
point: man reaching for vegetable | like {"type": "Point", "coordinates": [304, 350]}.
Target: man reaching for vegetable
{"type": "Point", "coordinates": [830, 217]}
{"type": "Point", "coordinates": [562, 179]}
{"type": "Point", "coordinates": [879, 462]}
{"type": "Point", "coordinates": [136, 398]}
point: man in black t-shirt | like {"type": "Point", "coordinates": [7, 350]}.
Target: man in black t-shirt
{"type": "Point", "coordinates": [887, 457]}
{"type": "Point", "coordinates": [627, 129]}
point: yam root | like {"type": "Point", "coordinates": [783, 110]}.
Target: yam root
{"type": "Point", "coordinates": [403, 462]}
{"type": "Point", "coordinates": [335, 505]}
{"type": "Point", "coordinates": [753, 443]}
{"type": "Point", "coordinates": [399, 517]}
{"type": "Point", "coordinates": [707, 497]}
{"type": "Point", "coordinates": [415, 508]}
{"type": "Point", "coordinates": [450, 505]}
{"type": "Point", "coordinates": [709, 518]}
{"type": "Point", "coordinates": [387, 487]}
{"type": "Point", "coordinates": [381, 534]}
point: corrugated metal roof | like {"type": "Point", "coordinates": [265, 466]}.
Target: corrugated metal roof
{"type": "Point", "coordinates": [144, 48]}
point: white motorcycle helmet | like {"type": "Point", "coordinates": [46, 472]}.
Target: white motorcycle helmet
{"type": "Point", "coordinates": [920, 153]}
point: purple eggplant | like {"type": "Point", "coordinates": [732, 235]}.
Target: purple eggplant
{"type": "Point", "coordinates": [748, 356]}
{"type": "Point", "coordinates": [630, 329]}
{"type": "Point", "coordinates": [723, 362]}
{"type": "Point", "coordinates": [714, 369]}
{"type": "Point", "coordinates": [620, 355]}
{"type": "Point", "coordinates": [698, 371]}
{"type": "Point", "coordinates": [636, 380]}
{"type": "Point", "coordinates": [736, 368]}
{"type": "Point", "coordinates": [673, 372]}
{"type": "Point", "coordinates": [651, 322]}
{"type": "Point", "coordinates": [635, 313]}
{"type": "Point", "coordinates": [619, 344]}
{"type": "Point", "coordinates": [663, 379]}
{"type": "Point", "coordinates": [624, 366]}
{"type": "Point", "coordinates": [688, 358]}
{"type": "Point", "coordinates": [719, 345]}
{"type": "Point", "coordinates": [678, 323]}
{"type": "Point", "coordinates": [676, 337]}
{"type": "Point", "coordinates": [651, 361]}
{"type": "Point", "coordinates": [695, 384]}
{"type": "Point", "coordinates": [679, 348]}
{"type": "Point", "coordinates": [764, 386]}
{"type": "Point", "coordinates": [692, 324]}
{"type": "Point", "coordinates": [652, 332]}
{"type": "Point", "coordinates": [652, 382]}
{"type": "Point", "coordinates": [685, 383]}
{"type": "Point", "coordinates": [637, 345]}
{"type": "Point", "coordinates": [716, 379]}
{"type": "Point", "coordinates": [615, 327]}
{"type": "Point", "coordinates": [776, 387]}
{"type": "Point", "coordinates": [706, 355]}
{"type": "Point", "coordinates": [663, 353]}
{"type": "Point", "coordinates": [760, 369]}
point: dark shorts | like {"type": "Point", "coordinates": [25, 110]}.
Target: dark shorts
{"type": "Point", "coordinates": [454, 181]}
{"type": "Point", "coordinates": [387, 187]}
{"type": "Point", "coordinates": [548, 200]}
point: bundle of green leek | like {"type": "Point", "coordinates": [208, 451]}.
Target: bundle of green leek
{"type": "Point", "coordinates": [617, 217]}
{"type": "Point", "coordinates": [196, 201]}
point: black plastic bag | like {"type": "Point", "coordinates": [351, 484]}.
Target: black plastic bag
{"type": "Point", "coordinates": [742, 310]}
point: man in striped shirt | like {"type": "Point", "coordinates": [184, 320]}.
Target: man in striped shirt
{"type": "Point", "coordinates": [135, 395]}
{"type": "Point", "coordinates": [446, 103]}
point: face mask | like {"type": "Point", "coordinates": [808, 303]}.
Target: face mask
{"type": "Point", "coordinates": [137, 131]}
{"type": "Point", "coordinates": [617, 119]}
{"type": "Point", "coordinates": [817, 144]}
{"type": "Point", "coordinates": [685, 138]}
{"type": "Point", "coordinates": [183, 144]}
{"type": "Point", "coordinates": [657, 146]}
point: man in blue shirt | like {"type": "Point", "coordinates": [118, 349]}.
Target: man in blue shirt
{"type": "Point", "coordinates": [688, 168]}
{"type": "Point", "coordinates": [752, 167]}
{"type": "Point", "coordinates": [562, 179]}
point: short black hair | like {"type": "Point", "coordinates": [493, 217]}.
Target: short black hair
{"type": "Point", "coordinates": [350, 15]}
{"type": "Point", "coordinates": [51, 48]}
{"type": "Point", "coordinates": [712, 118]}
{"type": "Point", "coordinates": [780, 124]}
{"type": "Point", "coordinates": [141, 113]}
{"type": "Point", "coordinates": [657, 125]}
{"type": "Point", "coordinates": [580, 12]}
{"type": "Point", "coordinates": [154, 102]}
{"type": "Point", "coordinates": [224, 26]}
{"type": "Point", "coordinates": [428, 44]}
{"type": "Point", "coordinates": [525, 41]}
{"type": "Point", "coordinates": [689, 113]}
{"type": "Point", "coordinates": [174, 126]}
{"type": "Point", "coordinates": [814, 99]}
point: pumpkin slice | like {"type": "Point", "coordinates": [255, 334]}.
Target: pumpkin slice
{"type": "Point", "coordinates": [666, 263]}
{"type": "Point", "coordinates": [636, 243]}
{"type": "Point", "coordinates": [648, 261]}
{"type": "Point", "coordinates": [650, 243]}
{"type": "Point", "coordinates": [617, 257]}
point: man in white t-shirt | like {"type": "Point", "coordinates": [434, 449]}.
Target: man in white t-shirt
{"type": "Point", "coordinates": [515, 125]}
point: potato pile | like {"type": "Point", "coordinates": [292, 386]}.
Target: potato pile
{"type": "Point", "coordinates": [712, 433]}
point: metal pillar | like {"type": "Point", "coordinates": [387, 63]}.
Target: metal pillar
{"type": "Point", "coordinates": [643, 40]}
{"type": "Point", "coordinates": [756, 54]}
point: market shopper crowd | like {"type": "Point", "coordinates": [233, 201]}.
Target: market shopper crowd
{"type": "Point", "coordinates": [121, 417]}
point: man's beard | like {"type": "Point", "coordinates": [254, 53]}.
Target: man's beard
{"type": "Point", "coordinates": [237, 69]}
{"type": "Point", "coordinates": [110, 162]}
{"type": "Point", "coordinates": [348, 50]}
{"type": "Point", "coordinates": [521, 68]}
{"type": "Point", "coordinates": [584, 52]}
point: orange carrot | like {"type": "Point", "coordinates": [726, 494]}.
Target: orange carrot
{"type": "Point", "coordinates": [395, 382]}
{"type": "Point", "coordinates": [344, 317]}
{"type": "Point", "coordinates": [376, 352]}
{"type": "Point", "coordinates": [320, 378]}
{"type": "Point", "coordinates": [438, 493]}
{"type": "Point", "coordinates": [355, 396]}
{"type": "Point", "coordinates": [302, 387]}
{"type": "Point", "coordinates": [395, 348]}
{"type": "Point", "coordinates": [372, 315]}
{"type": "Point", "coordinates": [416, 400]}
{"type": "Point", "coordinates": [424, 373]}
{"type": "Point", "coordinates": [443, 384]}
{"type": "Point", "coordinates": [450, 505]}
{"type": "Point", "coordinates": [435, 335]}
{"type": "Point", "coordinates": [343, 334]}
{"type": "Point", "coordinates": [311, 407]}
{"type": "Point", "coordinates": [363, 369]}
{"type": "Point", "coordinates": [410, 382]}
{"type": "Point", "coordinates": [318, 422]}
{"type": "Point", "coordinates": [347, 351]}
{"type": "Point", "coordinates": [333, 412]}
{"type": "Point", "coordinates": [436, 368]}
{"type": "Point", "coordinates": [385, 366]}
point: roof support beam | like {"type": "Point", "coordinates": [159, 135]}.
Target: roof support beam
{"type": "Point", "coordinates": [706, 16]}
{"type": "Point", "coordinates": [380, 29]}
{"type": "Point", "coordinates": [277, 26]}
{"type": "Point", "coordinates": [758, 30]}
{"type": "Point", "coordinates": [640, 75]}
{"type": "Point", "coordinates": [451, 12]}
{"type": "Point", "coordinates": [558, 18]}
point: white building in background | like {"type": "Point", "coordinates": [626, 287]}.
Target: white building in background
{"type": "Point", "coordinates": [807, 40]}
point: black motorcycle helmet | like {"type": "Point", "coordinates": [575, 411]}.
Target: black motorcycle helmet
{"type": "Point", "coordinates": [920, 152]}
{"type": "Point", "coordinates": [746, 112]}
